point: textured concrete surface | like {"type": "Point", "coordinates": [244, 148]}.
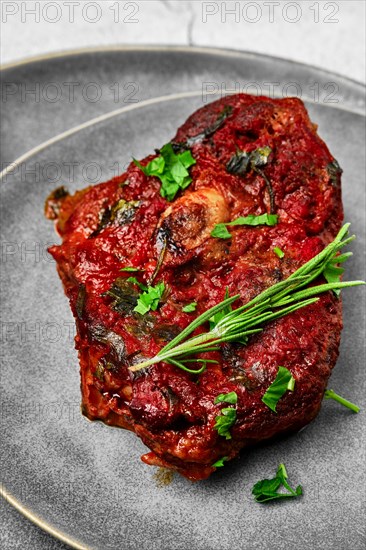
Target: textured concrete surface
{"type": "Point", "coordinates": [330, 35]}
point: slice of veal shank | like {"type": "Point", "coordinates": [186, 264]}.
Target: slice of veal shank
{"type": "Point", "coordinates": [126, 222]}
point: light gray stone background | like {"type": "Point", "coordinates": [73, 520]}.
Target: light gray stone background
{"type": "Point", "coordinates": [330, 35]}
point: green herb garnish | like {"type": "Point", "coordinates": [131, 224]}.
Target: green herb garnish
{"type": "Point", "coordinates": [171, 169]}
{"type": "Point", "coordinates": [330, 394]}
{"type": "Point", "coordinates": [225, 421]}
{"type": "Point", "coordinates": [284, 381]}
{"type": "Point", "coordinates": [228, 415]}
{"type": "Point", "coordinates": [190, 307]}
{"type": "Point", "coordinates": [267, 489]}
{"type": "Point", "coordinates": [273, 303]}
{"type": "Point", "coordinates": [136, 282]}
{"type": "Point", "coordinates": [150, 298]}
{"type": "Point", "coordinates": [220, 314]}
{"type": "Point", "coordinates": [332, 272]}
{"type": "Point", "coordinates": [131, 269]}
{"type": "Point", "coordinates": [219, 463]}
{"type": "Point", "coordinates": [279, 252]}
{"type": "Point", "coordinates": [221, 232]}
{"type": "Point", "coordinates": [231, 398]}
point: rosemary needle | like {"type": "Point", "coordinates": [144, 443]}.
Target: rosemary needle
{"type": "Point", "coordinates": [273, 303]}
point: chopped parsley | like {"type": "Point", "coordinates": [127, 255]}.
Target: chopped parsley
{"type": "Point", "coordinates": [330, 394]}
{"type": "Point", "coordinates": [220, 231]}
{"type": "Point", "coordinates": [150, 298]}
{"type": "Point", "coordinates": [171, 169]}
{"type": "Point", "coordinates": [219, 463]}
{"type": "Point", "coordinates": [267, 489]}
{"type": "Point", "coordinates": [231, 398]}
{"type": "Point", "coordinates": [225, 421]}
{"type": "Point", "coordinates": [278, 252]}
{"type": "Point", "coordinates": [190, 307]}
{"type": "Point", "coordinates": [284, 381]}
{"type": "Point", "coordinates": [136, 282]}
{"type": "Point", "coordinates": [228, 415]}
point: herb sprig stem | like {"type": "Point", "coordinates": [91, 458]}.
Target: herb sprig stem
{"type": "Point", "coordinates": [330, 394]}
{"type": "Point", "coordinates": [273, 303]}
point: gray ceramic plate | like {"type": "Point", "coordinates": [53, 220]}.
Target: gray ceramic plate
{"type": "Point", "coordinates": [84, 482]}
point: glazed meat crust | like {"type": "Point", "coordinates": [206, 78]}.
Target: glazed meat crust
{"type": "Point", "coordinates": [126, 222]}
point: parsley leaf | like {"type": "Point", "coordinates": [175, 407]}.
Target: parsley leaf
{"type": "Point", "coordinates": [278, 252]}
{"type": "Point", "coordinates": [330, 394]}
{"type": "Point", "coordinates": [283, 381]}
{"type": "Point", "coordinates": [220, 231]}
{"type": "Point", "coordinates": [190, 307]}
{"type": "Point", "coordinates": [171, 169]}
{"type": "Point", "coordinates": [231, 398]}
{"type": "Point", "coordinates": [228, 415]}
{"type": "Point", "coordinates": [332, 272]}
{"type": "Point", "coordinates": [136, 282]}
{"type": "Point", "coordinates": [219, 463]}
{"type": "Point", "coordinates": [266, 489]}
{"type": "Point", "coordinates": [225, 422]}
{"type": "Point", "coordinates": [150, 298]}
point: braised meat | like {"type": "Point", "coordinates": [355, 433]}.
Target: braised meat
{"type": "Point", "coordinates": [126, 222]}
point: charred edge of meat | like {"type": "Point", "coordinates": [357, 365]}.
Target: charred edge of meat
{"type": "Point", "coordinates": [272, 205]}
{"type": "Point", "coordinates": [231, 357]}
{"type": "Point", "coordinates": [169, 394]}
{"type": "Point", "coordinates": [208, 132]}
{"type": "Point", "coordinates": [54, 201]}
{"type": "Point", "coordinates": [114, 340]}
{"type": "Point", "coordinates": [334, 171]}
{"type": "Point", "coordinates": [106, 363]}
{"type": "Point", "coordinates": [165, 333]}
{"type": "Point", "coordinates": [80, 301]}
{"type": "Point", "coordinates": [238, 164]}
{"type": "Point", "coordinates": [124, 294]}
{"type": "Point", "coordinates": [242, 162]}
{"type": "Point", "coordinates": [162, 244]}
{"type": "Point", "coordinates": [165, 240]}
{"type": "Point", "coordinates": [121, 212]}
{"type": "Point", "coordinates": [141, 326]}
{"type": "Point", "coordinates": [277, 274]}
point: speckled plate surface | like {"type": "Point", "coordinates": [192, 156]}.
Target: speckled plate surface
{"type": "Point", "coordinates": [84, 482]}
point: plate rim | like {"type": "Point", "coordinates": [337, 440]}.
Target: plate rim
{"type": "Point", "coordinates": [116, 112]}
{"type": "Point", "coordinates": [208, 50]}
{"type": "Point", "coordinates": [39, 522]}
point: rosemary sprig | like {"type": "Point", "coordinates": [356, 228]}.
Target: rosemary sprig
{"type": "Point", "coordinates": [273, 303]}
